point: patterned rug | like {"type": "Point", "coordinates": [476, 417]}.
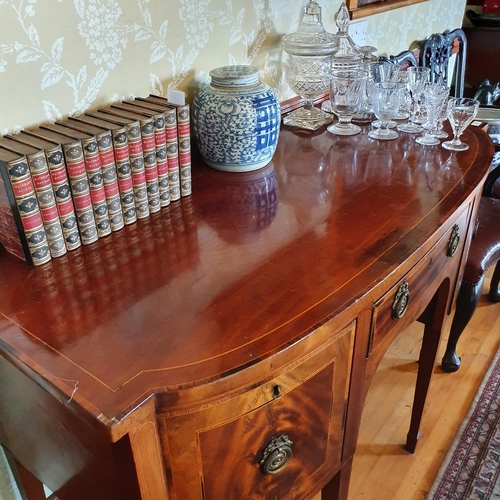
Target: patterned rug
{"type": "Point", "coordinates": [471, 469]}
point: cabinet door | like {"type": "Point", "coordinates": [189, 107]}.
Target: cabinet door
{"type": "Point", "coordinates": [271, 441]}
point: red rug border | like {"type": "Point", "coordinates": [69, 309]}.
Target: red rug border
{"type": "Point", "coordinates": [454, 460]}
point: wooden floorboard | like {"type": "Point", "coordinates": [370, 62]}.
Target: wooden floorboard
{"type": "Point", "coordinates": [382, 469]}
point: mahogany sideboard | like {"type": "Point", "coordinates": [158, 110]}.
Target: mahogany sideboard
{"type": "Point", "coordinates": [223, 348]}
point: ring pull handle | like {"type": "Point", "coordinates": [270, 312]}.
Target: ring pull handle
{"type": "Point", "coordinates": [401, 301]}
{"type": "Point", "coordinates": [453, 241]}
{"type": "Point", "coordinates": [276, 455]}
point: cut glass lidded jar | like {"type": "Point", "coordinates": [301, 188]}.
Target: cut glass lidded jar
{"type": "Point", "coordinates": [310, 51]}
{"type": "Point", "coordinates": [236, 120]}
{"type": "Point", "coordinates": [348, 56]}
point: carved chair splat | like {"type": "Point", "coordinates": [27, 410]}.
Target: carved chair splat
{"type": "Point", "coordinates": [436, 52]}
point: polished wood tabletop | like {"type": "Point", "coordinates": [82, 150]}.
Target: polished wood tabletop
{"type": "Point", "coordinates": [243, 269]}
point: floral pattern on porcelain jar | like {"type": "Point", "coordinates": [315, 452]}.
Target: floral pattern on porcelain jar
{"type": "Point", "coordinates": [236, 120]}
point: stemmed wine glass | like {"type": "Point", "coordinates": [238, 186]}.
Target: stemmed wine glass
{"type": "Point", "coordinates": [434, 96]}
{"type": "Point", "coordinates": [461, 111]}
{"type": "Point", "coordinates": [418, 76]}
{"type": "Point", "coordinates": [385, 106]}
{"type": "Point", "coordinates": [346, 93]}
{"type": "Point", "coordinates": [404, 96]}
{"type": "Point", "coordinates": [442, 116]}
{"type": "Point", "coordinates": [383, 72]}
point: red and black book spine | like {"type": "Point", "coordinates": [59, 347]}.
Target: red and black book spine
{"type": "Point", "coordinates": [21, 226]}
{"type": "Point", "coordinates": [96, 184]}
{"type": "Point", "coordinates": [133, 131]}
{"type": "Point", "coordinates": [184, 132]}
{"type": "Point", "coordinates": [39, 170]}
{"type": "Point", "coordinates": [125, 176]}
{"type": "Point", "coordinates": [148, 151]}
{"type": "Point", "coordinates": [81, 192]}
{"type": "Point", "coordinates": [79, 182]}
{"type": "Point", "coordinates": [108, 170]}
{"type": "Point", "coordinates": [172, 143]}
{"type": "Point", "coordinates": [60, 185]}
{"type": "Point", "coordinates": [110, 180]}
{"type": "Point", "coordinates": [158, 118]}
{"type": "Point", "coordinates": [161, 159]}
{"type": "Point", "coordinates": [47, 203]}
{"type": "Point", "coordinates": [184, 141]}
{"type": "Point", "coordinates": [121, 160]}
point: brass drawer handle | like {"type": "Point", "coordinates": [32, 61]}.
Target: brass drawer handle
{"type": "Point", "coordinates": [453, 241]}
{"type": "Point", "coordinates": [276, 455]}
{"type": "Point", "coordinates": [401, 301]}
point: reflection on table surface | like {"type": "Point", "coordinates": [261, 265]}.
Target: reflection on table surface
{"type": "Point", "coordinates": [328, 211]}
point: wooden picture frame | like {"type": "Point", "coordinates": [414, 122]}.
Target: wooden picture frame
{"type": "Point", "coordinates": [362, 8]}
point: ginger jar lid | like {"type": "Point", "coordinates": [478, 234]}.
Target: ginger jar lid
{"type": "Point", "coordinates": [239, 75]}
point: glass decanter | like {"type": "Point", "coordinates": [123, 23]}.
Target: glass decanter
{"type": "Point", "coordinates": [310, 51]}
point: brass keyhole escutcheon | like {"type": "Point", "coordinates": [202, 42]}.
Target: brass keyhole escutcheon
{"type": "Point", "coordinates": [453, 241]}
{"type": "Point", "coordinates": [401, 300]}
{"type": "Point", "coordinates": [276, 455]}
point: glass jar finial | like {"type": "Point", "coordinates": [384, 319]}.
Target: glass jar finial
{"type": "Point", "coordinates": [342, 19]}
{"type": "Point", "coordinates": [312, 16]}
{"type": "Point", "coordinates": [347, 56]}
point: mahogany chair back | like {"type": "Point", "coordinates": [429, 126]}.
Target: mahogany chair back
{"type": "Point", "coordinates": [403, 59]}
{"type": "Point", "coordinates": [436, 53]}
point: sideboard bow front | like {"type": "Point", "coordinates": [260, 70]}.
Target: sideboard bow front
{"type": "Point", "coordinates": [223, 347]}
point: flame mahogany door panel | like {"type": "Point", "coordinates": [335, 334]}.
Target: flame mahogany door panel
{"type": "Point", "coordinates": [219, 450]}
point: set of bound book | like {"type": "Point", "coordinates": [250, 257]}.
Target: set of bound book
{"type": "Point", "coordinates": [69, 183]}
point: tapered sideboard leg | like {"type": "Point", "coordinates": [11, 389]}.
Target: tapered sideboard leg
{"type": "Point", "coordinates": [338, 487]}
{"type": "Point", "coordinates": [426, 361]}
{"type": "Point", "coordinates": [146, 448]}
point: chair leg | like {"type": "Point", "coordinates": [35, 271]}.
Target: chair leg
{"type": "Point", "coordinates": [494, 294]}
{"type": "Point", "coordinates": [467, 301]}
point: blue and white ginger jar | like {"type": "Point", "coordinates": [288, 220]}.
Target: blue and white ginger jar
{"type": "Point", "coordinates": [236, 120]}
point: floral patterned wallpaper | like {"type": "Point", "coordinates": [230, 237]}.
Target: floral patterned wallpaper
{"type": "Point", "coordinates": [63, 57]}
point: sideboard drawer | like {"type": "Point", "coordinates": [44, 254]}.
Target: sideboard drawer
{"type": "Point", "coordinates": [406, 301]}
{"type": "Point", "coordinates": [266, 442]}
